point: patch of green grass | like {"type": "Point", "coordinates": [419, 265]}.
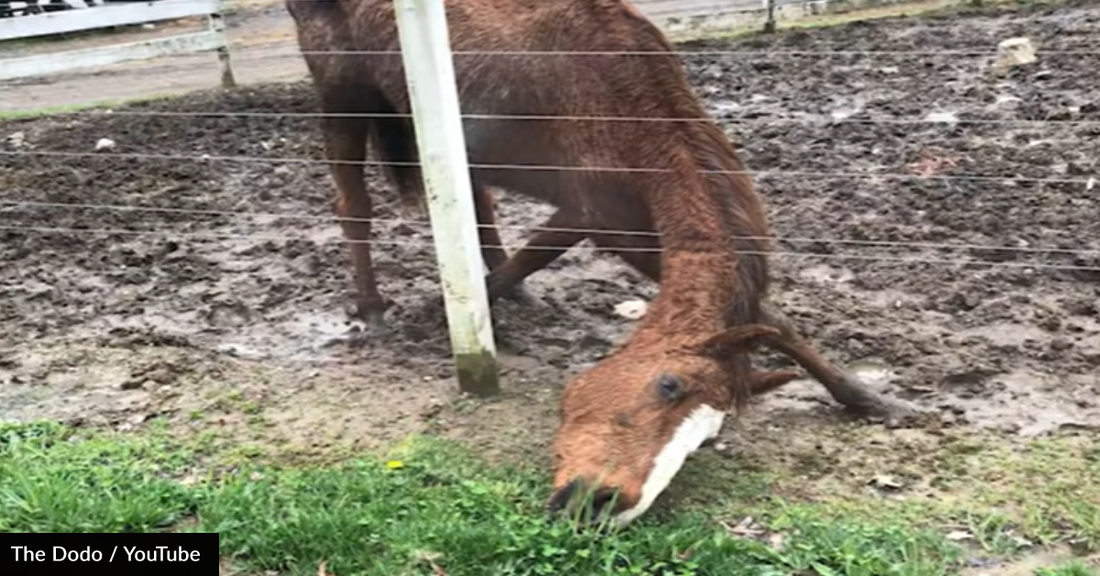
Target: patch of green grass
{"type": "Point", "coordinates": [1051, 486]}
{"type": "Point", "coordinates": [1068, 569]}
{"type": "Point", "coordinates": [55, 480]}
{"type": "Point", "coordinates": [431, 504]}
{"type": "Point", "coordinates": [6, 115]}
{"type": "Point", "coordinates": [50, 110]}
{"type": "Point", "coordinates": [998, 496]}
{"type": "Point", "coordinates": [441, 505]}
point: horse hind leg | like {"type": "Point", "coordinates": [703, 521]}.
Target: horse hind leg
{"type": "Point", "coordinates": [492, 247]}
{"type": "Point", "coordinates": [345, 145]}
{"type": "Point", "coordinates": [506, 275]}
{"type": "Point", "coordinates": [559, 234]}
{"type": "Point", "coordinates": [641, 250]}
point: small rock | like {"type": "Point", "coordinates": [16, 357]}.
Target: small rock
{"type": "Point", "coordinates": [131, 422]}
{"type": "Point", "coordinates": [1050, 323]}
{"type": "Point", "coordinates": [631, 309]}
{"type": "Point", "coordinates": [1014, 52]}
{"type": "Point", "coordinates": [133, 383]}
{"type": "Point", "coordinates": [16, 139]}
{"type": "Point", "coordinates": [968, 301]}
{"type": "Point", "coordinates": [104, 144]}
{"type": "Point", "coordinates": [885, 482]}
{"type": "Point", "coordinates": [942, 117]}
{"type": "Point", "coordinates": [1060, 344]}
{"type": "Point", "coordinates": [747, 527]}
{"type": "Point", "coordinates": [983, 563]}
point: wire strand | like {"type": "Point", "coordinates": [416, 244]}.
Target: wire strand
{"type": "Point", "coordinates": [550, 118]}
{"type": "Point", "coordinates": [241, 54]}
{"type": "Point", "coordinates": [756, 53]}
{"type": "Point", "coordinates": [551, 168]}
{"type": "Point", "coordinates": [427, 223]}
{"type": "Point", "coordinates": [427, 244]}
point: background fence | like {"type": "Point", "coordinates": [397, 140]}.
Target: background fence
{"type": "Point", "coordinates": [691, 19]}
{"type": "Point", "coordinates": [65, 18]}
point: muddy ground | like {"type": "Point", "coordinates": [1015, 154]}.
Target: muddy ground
{"type": "Point", "coordinates": [228, 308]}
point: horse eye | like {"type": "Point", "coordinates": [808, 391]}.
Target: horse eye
{"type": "Point", "coordinates": [670, 387]}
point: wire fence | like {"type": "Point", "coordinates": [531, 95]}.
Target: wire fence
{"type": "Point", "coordinates": [14, 204]}
{"type": "Point", "coordinates": [1082, 51]}
{"type": "Point", "coordinates": [1089, 50]}
{"type": "Point", "coordinates": [1077, 50]}
{"type": "Point", "coordinates": [427, 244]}
{"type": "Point", "coordinates": [942, 118]}
{"type": "Point", "coordinates": [425, 224]}
{"type": "Point", "coordinates": [1087, 182]}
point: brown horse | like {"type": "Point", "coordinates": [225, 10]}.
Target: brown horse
{"type": "Point", "coordinates": [629, 422]}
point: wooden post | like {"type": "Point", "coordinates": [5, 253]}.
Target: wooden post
{"type": "Point", "coordinates": [217, 26]}
{"type": "Point", "coordinates": [429, 72]}
{"type": "Point", "coordinates": [769, 24]}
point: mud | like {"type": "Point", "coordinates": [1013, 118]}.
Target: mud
{"type": "Point", "coordinates": [235, 314]}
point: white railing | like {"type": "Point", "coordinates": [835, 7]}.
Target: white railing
{"type": "Point", "coordinates": [109, 15]}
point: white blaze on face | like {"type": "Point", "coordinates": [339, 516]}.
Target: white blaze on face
{"type": "Point", "coordinates": [701, 425]}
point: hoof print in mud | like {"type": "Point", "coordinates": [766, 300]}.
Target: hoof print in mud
{"type": "Point", "coordinates": [904, 415]}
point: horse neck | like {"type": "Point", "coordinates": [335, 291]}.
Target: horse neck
{"type": "Point", "coordinates": [712, 226]}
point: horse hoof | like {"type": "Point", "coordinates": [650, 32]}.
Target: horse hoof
{"type": "Point", "coordinates": [372, 315]}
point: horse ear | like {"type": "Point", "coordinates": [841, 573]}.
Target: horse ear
{"type": "Point", "coordinates": [737, 340]}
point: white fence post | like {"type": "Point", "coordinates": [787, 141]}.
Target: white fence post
{"type": "Point", "coordinates": [217, 25]}
{"type": "Point", "coordinates": [429, 72]}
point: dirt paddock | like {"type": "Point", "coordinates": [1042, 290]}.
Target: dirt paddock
{"type": "Point", "coordinates": [228, 309]}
